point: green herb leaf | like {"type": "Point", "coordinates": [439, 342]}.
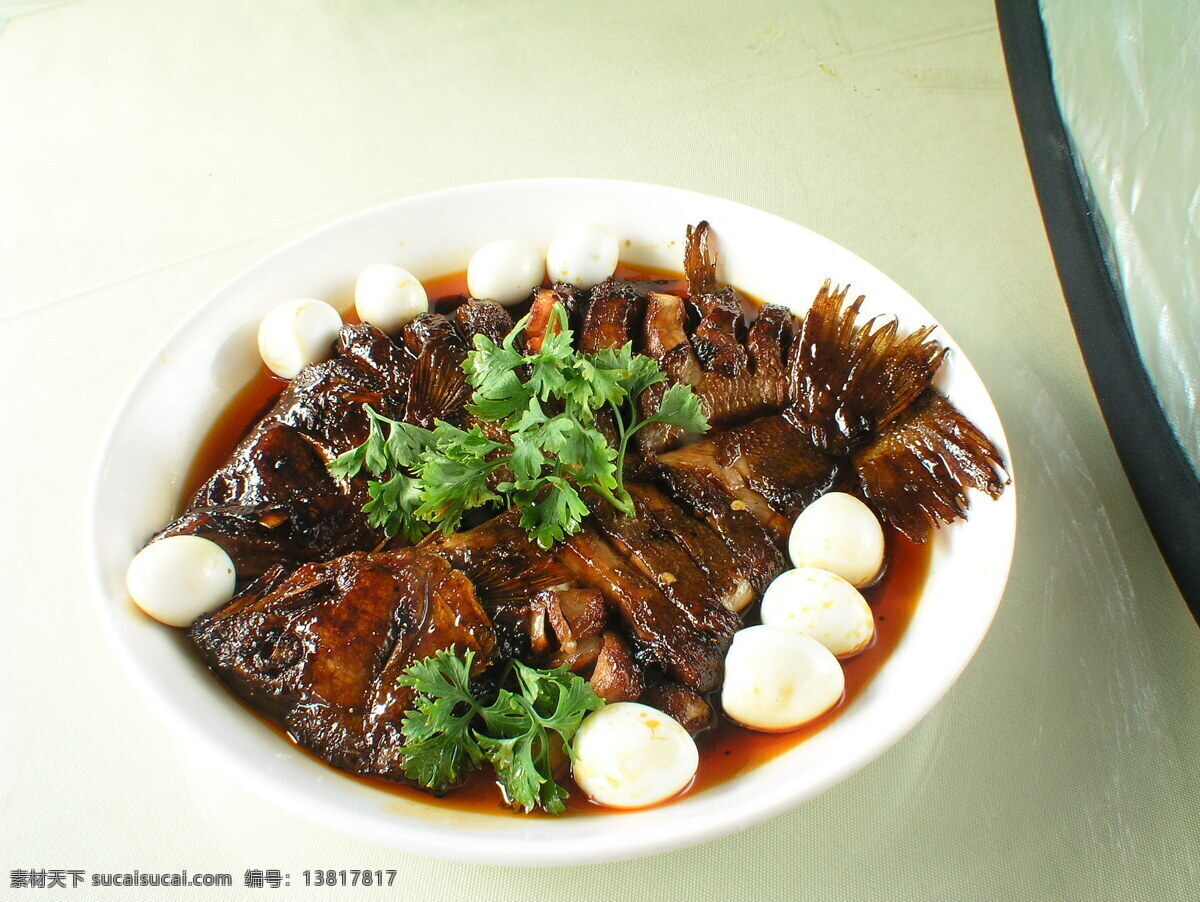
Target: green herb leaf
{"type": "Point", "coordinates": [370, 454]}
{"type": "Point", "coordinates": [349, 464]}
{"type": "Point", "coordinates": [591, 387]}
{"type": "Point", "coordinates": [553, 513]}
{"type": "Point", "coordinates": [527, 462]}
{"type": "Point", "coordinates": [586, 455]}
{"type": "Point", "coordinates": [643, 372]}
{"type": "Point", "coordinates": [520, 755]}
{"type": "Point", "coordinates": [453, 487]}
{"type": "Point", "coordinates": [405, 443]}
{"type": "Point", "coordinates": [440, 748]}
{"type": "Point", "coordinates": [450, 731]}
{"type": "Point", "coordinates": [680, 407]}
{"type": "Point", "coordinates": [549, 403]}
{"type": "Point", "coordinates": [560, 698]}
{"type": "Point", "coordinates": [552, 433]}
{"type": "Point", "coordinates": [395, 505]}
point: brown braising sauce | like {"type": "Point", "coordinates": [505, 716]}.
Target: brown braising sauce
{"type": "Point", "coordinates": [726, 749]}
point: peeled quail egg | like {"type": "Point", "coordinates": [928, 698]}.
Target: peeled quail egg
{"type": "Point", "coordinates": [820, 604]}
{"type": "Point", "coordinates": [628, 755]}
{"type": "Point", "coordinates": [505, 271]}
{"type": "Point", "coordinates": [583, 255]}
{"type": "Point", "coordinates": [178, 578]}
{"type": "Point", "coordinates": [297, 333]}
{"type": "Point", "coordinates": [838, 533]}
{"type": "Point", "coordinates": [777, 680]}
{"type": "Point", "coordinates": [388, 296]}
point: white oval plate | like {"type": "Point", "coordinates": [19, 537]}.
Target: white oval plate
{"type": "Point", "coordinates": [174, 402]}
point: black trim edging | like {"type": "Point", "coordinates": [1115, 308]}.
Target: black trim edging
{"type": "Point", "coordinates": [1166, 486]}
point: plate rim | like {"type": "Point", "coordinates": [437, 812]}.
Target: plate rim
{"type": "Point", "coordinates": [490, 847]}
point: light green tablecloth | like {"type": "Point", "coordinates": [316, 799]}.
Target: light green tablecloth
{"type": "Point", "coordinates": [151, 151]}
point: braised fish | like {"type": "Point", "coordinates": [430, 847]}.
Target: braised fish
{"type": "Point", "coordinates": [643, 605]}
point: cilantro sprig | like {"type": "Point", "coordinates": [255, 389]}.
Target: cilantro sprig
{"type": "Point", "coordinates": [548, 405]}
{"type": "Point", "coordinates": [451, 732]}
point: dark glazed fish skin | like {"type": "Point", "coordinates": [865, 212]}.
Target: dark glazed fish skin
{"type": "Point", "coordinates": [734, 381]}
{"type": "Point", "coordinates": [319, 650]}
{"type": "Point", "coordinates": [275, 495]}
{"type": "Point", "coordinates": [258, 536]}
{"type": "Point", "coordinates": [917, 472]}
{"type": "Point", "coordinates": [766, 464]}
{"type": "Point", "coordinates": [426, 328]}
{"type": "Point", "coordinates": [507, 568]}
{"type": "Point", "coordinates": [775, 461]}
{"type": "Point", "coordinates": [319, 416]}
{"type": "Point", "coordinates": [681, 703]}
{"type": "Point", "coordinates": [509, 572]}
{"type": "Point", "coordinates": [769, 344]}
{"type": "Point", "coordinates": [705, 459]}
{"type": "Point", "coordinates": [377, 354]}
{"type": "Point", "coordinates": [625, 559]}
{"type": "Point", "coordinates": [439, 387]}
{"type": "Point", "coordinates": [661, 632]}
{"type": "Point", "coordinates": [640, 539]}
{"type": "Point", "coordinates": [700, 259]}
{"type": "Point", "coordinates": [727, 575]}
{"type": "Point", "coordinates": [715, 338]}
{"type": "Point", "coordinates": [702, 493]}
{"type": "Point", "coordinates": [325, 404]}
{"type": "Point", "coordinates": [850, 380]}
{"type": "Point", "coordinates": [485, 318]}
{"type": "Point", "coordinates": [612, 316]}
{"type": "Point", "coordinates": [276, 500]}
{"type": "Point", "coordinates": [276, 464]}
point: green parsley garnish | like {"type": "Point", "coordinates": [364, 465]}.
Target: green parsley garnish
{"type": "Point", "coordinates": [547, 405]}
{"type": "Point", "coordinates": [451, 732]}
